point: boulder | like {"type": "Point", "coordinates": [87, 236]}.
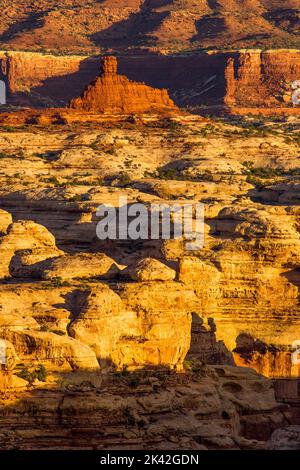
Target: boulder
{"type": "Point", "coordinates": [52, 349]}
{"type": "Point", "coordinates": [81, 265]}
{"type": "Point", "coordinates": [150, 269]}
{"type": "Point", "coordinates": [26, 235]}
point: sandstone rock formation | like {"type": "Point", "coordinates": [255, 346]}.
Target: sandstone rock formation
{"type": "Point", "coordinates": [26, 235]}
{"type": "Point", "coordinates": [261, 79]}
{"type": "Point", "coordinates": [234, 302]}
{"type": "Point", "coordinates": [114, 94]}
{"type": "Point", "coordinates": [133, 329]}
{"type": "Point", "coordinates": [287, 438]}
{"type": "Point", "coordinates": [213, 408]}
{"type": "Point", "coordinates": [52, 349]}
{"type": "Point", "coordinates": [239, 78]}
{"type": "Point", "coordinates": [150, 269]}
{"type": "Point", "coordinates": [144, 26]}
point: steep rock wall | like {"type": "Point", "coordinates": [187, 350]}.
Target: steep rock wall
{"type": "Point", "coordinates": [243, 78]}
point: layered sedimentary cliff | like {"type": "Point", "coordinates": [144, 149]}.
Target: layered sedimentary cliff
{"type": "Point", "coordinates": [208, 408]}
{"type": "Point", "coordinates": [255, 78]}
{"type": "Point", "coordinates": [251, 78]}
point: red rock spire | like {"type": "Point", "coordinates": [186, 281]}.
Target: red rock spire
{"type": "Point", "coordinates": [109, 66]}
{"type": "Point", "coordinates": [115, 94]}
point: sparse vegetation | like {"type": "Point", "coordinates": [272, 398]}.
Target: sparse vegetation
{"type": "Point", "coordinates": [58, 282]}
{"type": "Point", "coordinates": [49, 156]}
{"type": "Point", "coordinates": [33, 373]}
{"type": "Point", "coordinates": [267, 172]}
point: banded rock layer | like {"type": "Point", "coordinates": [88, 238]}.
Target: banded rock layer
{"type": "Point", "coordinates": [248, 78]}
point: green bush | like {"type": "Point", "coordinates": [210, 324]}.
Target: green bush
{"type": "Point", "coordinates": [30, 375]}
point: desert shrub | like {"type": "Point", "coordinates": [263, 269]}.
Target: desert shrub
{"type": "Point", "coordinates": [49, 156]}
{"type": "Point", "coordinates": [8, 128]}
{"type": "Point", "coordinates": [123, 180]}
{"type": "Point", "coordinates": [193, 365]}
{"type": "Point", "coordinates": [31, 374]}
{"type": "Point", "coordinates": [256, 182]}
{"type": "Point", "coordinates": [52, 180]}
{"type": "Point", "coordinates": [263, 172]}
{"type": "Point", "coordinates": [77, 198]}
{"type": "Point", "coordinates": [41, 373]}
{"type": "Point", "coordinates": [122, 373]}
{"type": "Point", "coordinates": [58, 282]}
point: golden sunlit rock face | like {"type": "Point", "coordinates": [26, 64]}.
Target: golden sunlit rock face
{"type": "Point", "coordinates": [170, 346]}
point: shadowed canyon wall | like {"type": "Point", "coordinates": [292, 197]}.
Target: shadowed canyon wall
{"type": "Point", "coordinates": [242, 78]}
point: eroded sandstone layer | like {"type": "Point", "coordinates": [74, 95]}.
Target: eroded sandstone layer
{"type": "Point", "coordinates": [246, 278]}
{"type": "Point", "coordinates": [218, 407]}
{"type": "Point", "coordinates": [111, 93]}
{"type": "Point", "coordinates": [243, 78]}
{"type": "Point", "coordinates": [155, 342]}
{"type": "Point", "coordinates": [126, 25]}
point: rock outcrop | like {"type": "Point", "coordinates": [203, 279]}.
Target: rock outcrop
{"type": "Point", "coordinates": [261, 78]}
{"type": "Point", "coordinates": [150, 269]}
{"type": "Point", "coordinates": [5, 221]}
{"type": "Point", "coordinates": [114, 94]}
{"type": "Point", "coordinates": [254, 78]}
{"type": "Point", "coordinates": [80, 266]}
{"type": "Point", "coordinates": [26, 235]}
{"type": "Point", "coordinates": [212, 408]}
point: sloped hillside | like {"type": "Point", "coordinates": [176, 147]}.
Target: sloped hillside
{"type": "Point", "coordinates": [171, 25]}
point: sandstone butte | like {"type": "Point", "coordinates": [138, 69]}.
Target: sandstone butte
{"type": "Point", "coordinates": [112, 93]}
{"type": "Point", "coordinates": [242, 78]}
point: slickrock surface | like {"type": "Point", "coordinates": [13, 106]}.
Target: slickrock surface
{"type": "Point", "coordinates": [114, 94]}
{"type": "Point", "coordinates": [246, 277]}
{"type": "Point", "coordinates": [76, 311]}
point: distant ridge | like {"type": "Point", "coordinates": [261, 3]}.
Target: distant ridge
{"type": "Point", "coordinates": [152, 25]}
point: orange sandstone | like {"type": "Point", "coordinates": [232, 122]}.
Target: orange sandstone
{"type": "Point", "coordinates": [116, 94]}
